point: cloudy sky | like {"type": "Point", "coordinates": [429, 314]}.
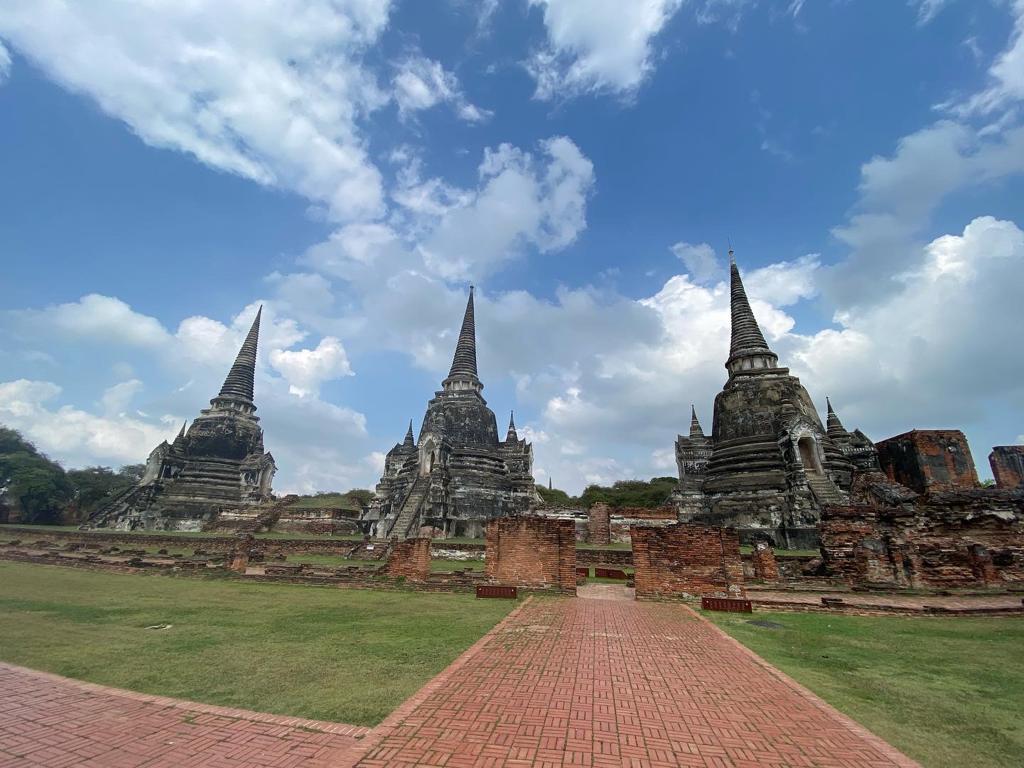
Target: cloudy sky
{"type": "Point", "coordinates": [354, 165]}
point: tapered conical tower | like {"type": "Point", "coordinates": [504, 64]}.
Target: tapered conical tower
{"type": "Point", "coordinates": [410, 441]}
{"type": "Point", "coordinates": [695, 428]}
{"type": "Point", "coordinates": [239, 382]}
{"type": "Point", "coordinates": [747, 348]}
{"type": "Point", "coordinates": [463, 373]}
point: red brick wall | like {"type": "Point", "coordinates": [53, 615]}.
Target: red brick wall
{"type": "Point", "coordinates": [687, 560]}
{"type": "Point", "coordinates": [1007, 462]}
{"type": "Point", "coordinates": [966, 538]}
{"type": "Point", "coordinates": [599, 518]}
{"type": "Point", "coordinates": [409, 559]}
{"type": "Point", "coordinates": [532, 552]}
{"type": "Point", "coordinates": [763, 559]}
{"type": "Point", "coordinates": [928, 459]}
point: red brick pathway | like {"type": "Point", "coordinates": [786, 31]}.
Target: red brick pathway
{"type": "Point", "coordinates": [46, 720]}
{"type": "Point", "coordinates": [581, 682]}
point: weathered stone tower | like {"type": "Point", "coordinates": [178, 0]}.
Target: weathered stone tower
{"type": "Point", "coordinates": [458, 475]}
{"type": "Point", "coordinates": [217, 466]}
{"type": "Point", "coordinates": [772, 464]}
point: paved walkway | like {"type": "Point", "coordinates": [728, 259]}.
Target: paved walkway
{"type": "Point", "coordinates": [561, 682]}
{"type": "Point", "coordinates": [51, 721]}
{"type": "Point", "coordinates": [602, 683]}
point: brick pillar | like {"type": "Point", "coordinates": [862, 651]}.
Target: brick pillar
{"type": "Point", "coordinates": [765, 566]}
{"type": "Point", "coordinates": [409, 559]}
{"type": "Point", "coordinates": [532, 552]}
{"type": "Point", "coordinates": [599, 524]}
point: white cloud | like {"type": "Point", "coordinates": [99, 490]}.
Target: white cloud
{"type": "Point", "coordinates": [700, 260]}
{"type": "Point", "coordinates": [306, 369]}
{"type": "Point", "coordinates": [598, 46]}
{"type": "Point", "coordinates": [5, 63]}
{"type": "Point", "coordinates": [932, 352]}
{"type": "Point", "coordinates": [1006, 75]}
{"type": "Point", "coordinates": [73, 435]}
{"type": "Point", "coordinates": [928, 9]}
{"type": "Point", "coordinates": [116, 399]}
{"type": "Point", "coordinates": [422, 83]}
{"type": "Point", "coordinates": [271, 91]}
{"type": "Point", "coordinates": [96, 317]}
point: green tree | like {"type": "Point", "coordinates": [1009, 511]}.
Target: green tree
{"type": "Point", "coordinates": [31, 485]}
{"type": "Point", "coordinates": [630, 493]}
{"type": "Point", "coordinates": [95, 485]}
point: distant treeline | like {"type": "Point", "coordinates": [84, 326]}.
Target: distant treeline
{"type": "Point", "coordinates": [36, 489]}
{"type": "Point", "coordinates": [624, 493]}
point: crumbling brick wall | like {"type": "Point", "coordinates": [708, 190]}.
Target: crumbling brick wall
{"type": "Point", "coordinates": [928, 459]}
{"type": "Point", "coordinates": [244, 549]}
{"type": "Point", "coordinates": [598, 521]}
{"type": "Point", "coordinates": [950, 539]}
{"type": "Point", "coordinates": [687, 560]}
{"type": "Point", "coordinates": [1007, 462]}
{"type": "Point", "coordinates": [532, 552]}
{"type": "Point", "coordinates": [409, 559]}
{"type": "Point", "coordinates": [763, 560]}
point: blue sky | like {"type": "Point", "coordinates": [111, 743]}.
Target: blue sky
{"type": "Point", "coordinates": [355, 165]}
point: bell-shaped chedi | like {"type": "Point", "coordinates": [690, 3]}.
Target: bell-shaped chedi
{"type": "Point", "coordinates": [458, 474]}
{"type": "Point", "coordinates": [770, 464]}
{"type": "Point", "coordinates": [216, 466]}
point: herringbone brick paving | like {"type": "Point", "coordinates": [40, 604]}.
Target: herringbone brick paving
{"type": "Point", "coordinates": [561, 682]}
{"type": "Point", "coordinates": [605, 683]}
{"type": "Point", "coordinates": [46, 720]}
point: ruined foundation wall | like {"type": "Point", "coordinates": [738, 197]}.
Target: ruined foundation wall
{"type": "Point", "coordinates": [532, 552]}
{"type": "Point", "coordinates": [687, 560]}
{"type": "Point", "coordinates": [957, 539]}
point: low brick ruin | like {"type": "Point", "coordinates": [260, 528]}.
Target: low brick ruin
{"type": "Point", "coordinates": [951, 539]}
{"type": "Point", "coordinates": [532, 552]}
{"type": "Point", "coordinates": [765, 566]}
{"type": "Point", "coordinates": [409, 559]}
{"type": "Point", "coordinates": [687, 560]}
{"type": "Point", "coordinates": [928, 459]}
{"type": "Point", "coordinates": [1007, 462]}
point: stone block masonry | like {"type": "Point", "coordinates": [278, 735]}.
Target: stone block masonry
{"type": "Point", "coordinates": [1007, 462]}
{"type": "Point", "coordinates": [532, 552]}
{"type": "Point", "coordinates": [927, 460]}
{"type": "Point", "coordinates": [687, 560]}
{"type": "Point", "coordinates": [409, 559]}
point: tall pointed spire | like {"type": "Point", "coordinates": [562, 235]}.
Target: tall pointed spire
{"type": "Point", "coordinates": [183, 425]}
{"type": "Point", "coordinates": [239, 382]}
{"type": "Point", "coordinates": [464, 362]}
{"type": "Point", "coordinates": [512, 436]}
{"type": "Point", "coordinates": [835, 427]}
{"type": "Point", "coordinates": [747, 349]}
{"type": "Point", "coordinates": [410, 441]}
{"type": "Point", "coordinates": [695, 430]}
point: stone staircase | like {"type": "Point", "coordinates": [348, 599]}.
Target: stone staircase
{"type": "Point", "coordinates": [410, 510]}
{"type": "Point", "coordinates": [824, 490]}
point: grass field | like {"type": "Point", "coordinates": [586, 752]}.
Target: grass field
{"type": "Point", "coordinates": [949, 692]}
{"type": "Point", "coordinates": [331, 654]}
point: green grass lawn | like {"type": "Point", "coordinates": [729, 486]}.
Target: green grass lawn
{"type": "Point", "coordinates": [333, 654]}
{"type": "Point", "coordinates": [946, 691]}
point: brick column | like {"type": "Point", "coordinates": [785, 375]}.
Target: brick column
{"type": "Point", "coordinates": [599, 524]}
{"type": "Point", "coordinates": [409, 559]}
{"type": "Point", "coordinates": [765, 566]}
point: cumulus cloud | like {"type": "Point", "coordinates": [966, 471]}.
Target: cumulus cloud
{"type": "Point", "coordinates": [270, 91]}
{"type": "Point", "coordinates": [75, 436]}
{"type": "Point", "coordinates": [700, 260]}
{"type": "Point", "coordinates": [421, 83]}
{"type": "Point", "coordinates": [306, 369]}
{"type": "Point", "coordinates": [97, 317]}
{"type": "Point", "coordinates": [600, 46]}
{"type": "Point", "coordinates": [116, 399]}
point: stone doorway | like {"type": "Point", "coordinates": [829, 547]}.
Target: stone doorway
{"type": "Point", "coordinates": [808, 448]}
